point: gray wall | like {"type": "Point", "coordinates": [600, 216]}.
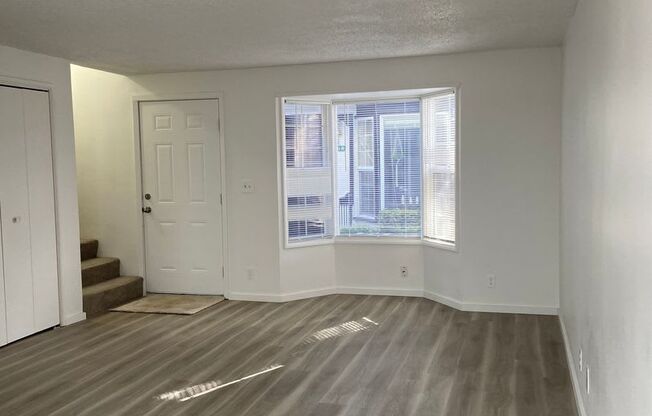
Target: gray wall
{"type": "Point", "coordinates": [606, 282]}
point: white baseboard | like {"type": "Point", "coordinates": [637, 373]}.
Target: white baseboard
{"type": "Point", "coordinates": [254, 297]}
{"type": "Point", "coordinates": [385, 291]}
{"type": "Point", "coordinates": [521, 309]}
{"type": "Point", "coordinates": [577, 389]}
{"type": "Point", "coordinates": [305, 294]}
{"type": "Point", "coordinates": [284, 297]}
{"type": "Point", "coordinates": [494, 308]}
{"type": "Point", "coordinates": [379, 291]}
{"type": "Point", "coordinates": [73, 319]}
{"type": "Point", "coordinates": [445, 300]}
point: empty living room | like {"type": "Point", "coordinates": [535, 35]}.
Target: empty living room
{"type": "Point", "coordinates": [326, 208]}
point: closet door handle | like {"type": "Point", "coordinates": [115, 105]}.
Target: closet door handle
{"type": "Point", "coordinates": [147, 210]}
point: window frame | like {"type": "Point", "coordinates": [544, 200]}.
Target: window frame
{"type": "Point", "coordinates": [330, 127]}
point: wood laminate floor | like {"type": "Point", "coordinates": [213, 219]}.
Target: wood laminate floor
{"type": "Point", "coordinates": [333, 355]}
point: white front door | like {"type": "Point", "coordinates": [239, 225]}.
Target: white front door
{"type": "Point", "coordinates": [182, 186]}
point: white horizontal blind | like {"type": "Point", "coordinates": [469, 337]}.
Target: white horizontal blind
{"type": "Point", "coordinates": [378, 175]}
{"type": "Point", "coordinates": [439, 167]}
{"type": "Point", "coordinates": [308, 172]}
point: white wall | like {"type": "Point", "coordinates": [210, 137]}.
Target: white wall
{"type": "Point", "coordinates": [509, 172]}
{"type": "Point", "coordinates": [607, 203]}
{"type": "Point", "coordinates": [105, 163]}
{"type": "Point", "coordinates": [376, 268]}
{"type": "Point", "coordinates": [510, 135]}
{"type": "Point", "coordinates": [29, 69]}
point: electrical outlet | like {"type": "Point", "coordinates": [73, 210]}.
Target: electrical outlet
{"type": "Point", "coordinates": [588, 380]}
{"type": "Point", "coordinates": [491, 281]}
{"type": "Point", "coordinates": [581, 361]}
{"type": "Point", "coordinates": [404, 272]}
{"type": "Point", "coordinates": [247, 186]}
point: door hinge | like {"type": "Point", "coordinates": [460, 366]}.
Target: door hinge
{"type": "Point", "coordinates": [222, 272]}
{"type": "Point", "coordinates": [221, 203]}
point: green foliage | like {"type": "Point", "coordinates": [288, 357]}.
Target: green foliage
{"type": "Point", "coordinates": [360, 229]}
{"type": "Point", "coordinates": [390, 222]}
{"type": "Point", "coordinates": [398, 216]}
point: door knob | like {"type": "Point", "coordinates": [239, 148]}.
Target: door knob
{"type": "Point", "coordinates": [147, 210]}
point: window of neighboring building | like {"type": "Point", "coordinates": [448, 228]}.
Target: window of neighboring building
{"type": "Point", "coordinates": [304, 133]}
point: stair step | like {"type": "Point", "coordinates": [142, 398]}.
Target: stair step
{"type": "Point", "coordinates": [88, 248]}
{"type": "Point", "coordinates": [114, 292]}
{"type": "Point", "coordinates": [99, 269]}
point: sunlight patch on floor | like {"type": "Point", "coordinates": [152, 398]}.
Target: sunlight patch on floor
{"type": "Point", "coordinates": [197, 390]}
{"type": "Point", "coordinates": [345, 328]}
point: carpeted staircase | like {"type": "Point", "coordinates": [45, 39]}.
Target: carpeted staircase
{"type": "Point", "coordinates": [103, 287]}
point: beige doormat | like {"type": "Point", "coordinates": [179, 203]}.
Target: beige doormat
{"type": "Point", "coordinates": [172, 304]}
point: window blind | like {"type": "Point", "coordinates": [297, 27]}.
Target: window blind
{"type": "Point", "coordinates": [308, 172]}
{"type": "Point", "coordinates": [439, 167]}
{"type": "Point", "coordinates": [378, 168]}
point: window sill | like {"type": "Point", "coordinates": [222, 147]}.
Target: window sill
{"type": "Point", "coordinates": [438, 244]}
{"type": "Point", "coordinates": [308, 243]}
{"type": "Point", "coordinates": [409, 241]}
{"type": "Point", "coordinates": [415, 241]}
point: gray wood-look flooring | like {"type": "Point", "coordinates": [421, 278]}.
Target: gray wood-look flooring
{"type": "Point", "coordinates": [333, 355]}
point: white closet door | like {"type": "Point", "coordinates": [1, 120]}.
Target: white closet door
{"type": "Point", "coordinates": [11, 120]}
{"type": "Point", "coordinates": [14, 203]}
{"type": "Point", "coordinates": [3, 318]}
{"type": "Point", "coordinates": [40, 180]}
{"type": "Point", "coordinates": [28, 235]}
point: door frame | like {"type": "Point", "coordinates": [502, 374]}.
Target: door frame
{"type": "Point", "coordinates": [138, 197]}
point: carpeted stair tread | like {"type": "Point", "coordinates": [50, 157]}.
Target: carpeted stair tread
{"type": "Point", "coordinates": [99, 269]}
{"type": "Point", "coordinates": [108, 294]}
{"type": "Point", "coordinates": [88, 248]}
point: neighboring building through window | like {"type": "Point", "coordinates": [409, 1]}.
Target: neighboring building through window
{"type": "Point", "coordinates": [308, 175]}
{"type": "Point", "coordinates": [304, 146]}
{"type": "Point", "coordinates": [380, 195]}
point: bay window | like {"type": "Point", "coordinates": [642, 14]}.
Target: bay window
{"type": "Point", "coordinates": [374, 167]}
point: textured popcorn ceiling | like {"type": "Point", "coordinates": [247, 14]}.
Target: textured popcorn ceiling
{"type": "Point", "coordinates": [135, 36]}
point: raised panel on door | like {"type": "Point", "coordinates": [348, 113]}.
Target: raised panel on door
{"type": "Point", "coordinates": [181, 173]}
{"type": "Point", "coordinates": [8, 111]}
{"type": "Point", "coordinates": [38, 144]}
{"type": "Point", "coordinates": [10, 118]}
